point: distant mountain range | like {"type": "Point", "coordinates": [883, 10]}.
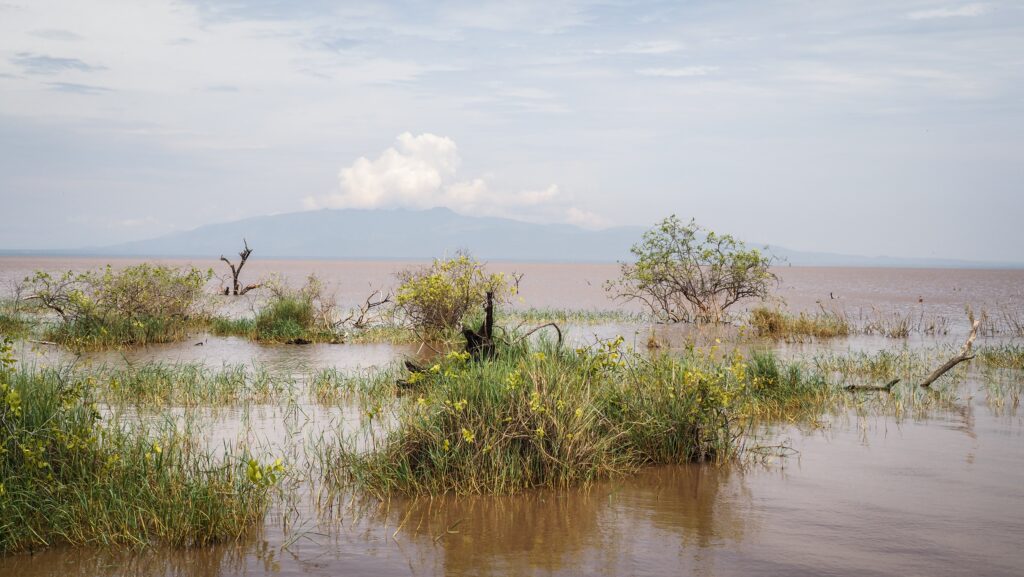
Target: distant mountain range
{"type": "Point", "coordinates": [424, 234]}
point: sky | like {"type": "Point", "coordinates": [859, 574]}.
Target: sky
{"type": "Point", "coordinates": [861, 127]}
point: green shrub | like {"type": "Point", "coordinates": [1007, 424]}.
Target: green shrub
{"type": "Point", "coordinates": [437, 298]}
{"type": "Point", "coordinates": [137, 305]}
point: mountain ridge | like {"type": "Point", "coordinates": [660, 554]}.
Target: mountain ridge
{"type": "Point", "coordinates": [394, 234]}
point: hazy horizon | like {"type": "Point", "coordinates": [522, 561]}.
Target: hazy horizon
{"type": "Point", "coordinates": [868, 128]}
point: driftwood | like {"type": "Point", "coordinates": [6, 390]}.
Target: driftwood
{"type": "Point", "coordinates": [886, 387]}
{"type": "Point", "coordinates": [965, 355]}
{"type": "Point", "coordinates": [236, 288]}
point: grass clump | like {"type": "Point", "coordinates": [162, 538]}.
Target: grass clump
{"type": "Point", "coordinates": [1002, 357]}
{"type": "Point", "coordinates": [137, 305]}
{"type": "Point", "coordinates": [68, 478]}
{"type": "Point", "coordinates": [13, 324]}
{"type": "Point", "coordinates": [186, 384]}
{"type": "Point", "coordinates": [777, 324]}
{"type": "Point", "coordinates": [546, 417]}
{"type": "Point", "coordinates": [294, 316]}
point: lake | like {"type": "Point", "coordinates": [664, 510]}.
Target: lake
{"type": "Point", "coordinates": [940, 493]}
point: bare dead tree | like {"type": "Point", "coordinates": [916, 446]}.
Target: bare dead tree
{"type": "Point", "coordinates": [236, 288]}
{"type": "Point", "coordinates": [363, 315]}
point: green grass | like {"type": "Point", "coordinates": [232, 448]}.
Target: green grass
{"type": "Point", "coordinates": [1009, 356]}
{"type": "Point", "coordinates": [67, 477]}
{"type": "Point", "coordinates": [96, 333]}
{"type": "Point", "coordinates": [541, 417]}
{"type": "Point", "coordinates": [14, 324]}
{"type": "Point", "coordinates": [185, 384]}
{"type": "Point", "coordinates": [284, 319]}
{"type": "Point", "coordinates": [777, 324]}
{"type": "Point", "coordinates": [570, 316]}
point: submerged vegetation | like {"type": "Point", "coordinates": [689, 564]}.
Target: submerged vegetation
{"type": "Point", "coordinates": [549, 417]}
{"type": "Point", "coordinates": [778, 324]}
{"type": "Point", "coordinates": [66, 477]}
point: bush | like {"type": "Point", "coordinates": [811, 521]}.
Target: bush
{"type": "Point", "coordinates": [437, 298]}
{"type": "Point", "coordinates": [295, 314]}
{"type": "Point", "coordinates": [137, 305]}
{"type": "Point", "coordinates": [688, 273]}
{"type": "Point", "coordinates": [537, 416]}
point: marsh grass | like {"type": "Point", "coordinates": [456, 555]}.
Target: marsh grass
{"type": "Point", "coordinates": [538, 416]}
{"type": "Point", "coordinates": [186, 384]}
{"type": "Point", "coordinates": [571, 316]}
{"type": "Point", "coordinates": [88, 333]}
{"type": "Point", "coordinates": [13, 324]}
{"type": "Point", "coordinates": [778, 324]}
{"type": "Point", "coordinates": [67, 477]}
{"type": "Point", "coordinates": [331, 385]}
{"type": "Point", "coordinates": [1008, 356]}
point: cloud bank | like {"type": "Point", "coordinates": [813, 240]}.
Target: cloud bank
{"type": "Point", "coordinates": [420, 172]}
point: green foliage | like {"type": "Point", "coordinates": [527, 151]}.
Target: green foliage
{"type": "Point", "coordinates": [287, 316]}
{"type": "Point", "coordinates": [68, 478]}
{"type": "Point", "coordinates": [437, 298]}
{"type": "Point", "coordinates": [546, 417]}
{"type": "Point", "coordinates": [295, 314]}
{"type": "Point", "coordinates": [133, 306]}
{"type": "Point", "coordinates": [684, 272]}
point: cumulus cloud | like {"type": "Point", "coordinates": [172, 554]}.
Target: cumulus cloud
{"type": "Point", "coordinates": [420, 172]}
{"type": "Point", "coordinates": [965, 11]}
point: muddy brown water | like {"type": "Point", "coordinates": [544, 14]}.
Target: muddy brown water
{"type": "Point", "coordinates": [936, 495]}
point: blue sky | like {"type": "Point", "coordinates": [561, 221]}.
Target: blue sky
{"type": "Point", "coordinates": [859, 127]}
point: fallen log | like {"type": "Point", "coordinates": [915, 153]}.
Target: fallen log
{"type": "Point", "coordinates": [886, 387]}
{"type": "Point", "coordinates": [965, 355]}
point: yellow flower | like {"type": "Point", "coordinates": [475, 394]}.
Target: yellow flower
{"type": "Point", "coordinates": [447, 445]}
{"type": "Point", "coordinates": [468, 436]}
{"type": "Point", "coordinates": [540, 432]}
{"type": "Point", "coordinates": [540, 356]}
{"type": "Point", "coordinates": [459, 405]}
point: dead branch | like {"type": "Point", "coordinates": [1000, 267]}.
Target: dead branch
{"type": "Point", "coordinates": [359, 317]}
{"type": "Point", "coordinates": [965, 355]}
{"type": "Point", "coordinates": [237, 289]}
{"type": "Point", "coordinates": [545, 325]}
{"type": "Point", "coordinates": [886, 387]}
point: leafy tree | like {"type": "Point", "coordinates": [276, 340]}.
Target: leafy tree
{"type": "Point", "coordinates": [686, 273]}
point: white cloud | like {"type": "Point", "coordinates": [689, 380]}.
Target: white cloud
{"type": "Point", "coordinates": [683, 72]}
{"type": "Point", "coordinates": [419, 172]}
{"type": "Point", "coordinates": [967, 10]}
